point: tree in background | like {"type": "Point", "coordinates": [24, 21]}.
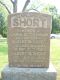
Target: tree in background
{"type": "Point", "coordinates": [13, 4]}
{"type": "Point", "coordinates": [8, 7]}
{"type": "Point", "coordinates": [35, 5]}
{"type": "Point", "coordinates": [51, 9]}
{"type": "Point", "coordinates": [2, 26]}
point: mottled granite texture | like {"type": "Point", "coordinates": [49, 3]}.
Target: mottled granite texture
{"type": "Point", "coordinates": [29, 39]}
{"type": "Point", "coordinates": [29, 73]}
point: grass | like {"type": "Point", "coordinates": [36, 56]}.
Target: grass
{"type": "Point", "coordinates": [3, 54]}
{"type": "Point", "coordinates": [54, 54]}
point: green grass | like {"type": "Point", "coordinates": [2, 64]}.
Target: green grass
{"type": "Point", "coordinates": [3, 54]}
{"type": "Point", "coordinates": [54, 54]}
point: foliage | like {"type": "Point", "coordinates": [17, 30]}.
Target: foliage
{"type": "Point", "coordinates": [3, 30]}
{"type": "Point", "coordinates": [52, 10]}
{"type": "Point", "coordinates": [49, 9]}
{"type": "Point", "coordinates": [7, 7]}
{"type": "Point", "coordinates": [34, 5]}
{"type": "Point", "coordinates": [11, 5]}
{"type": "Point", "coordinates": [55, 25]}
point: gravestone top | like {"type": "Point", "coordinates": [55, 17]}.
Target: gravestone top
{"type": "Point", "coordinates": [29, 39]}
{"type": "Point", "coordinates": [30, 20]}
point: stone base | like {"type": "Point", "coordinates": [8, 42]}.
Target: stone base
{"type": "Point", "coordinates": [29, 73]}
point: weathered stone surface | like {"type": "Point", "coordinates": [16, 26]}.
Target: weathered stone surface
{"type": "Point", "coordinates": [29, 73]}
{"type": "Point", "coordinates": [29, 40]}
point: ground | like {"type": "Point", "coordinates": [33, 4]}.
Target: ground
{"type": "Point", "coordinates": [54, 54]}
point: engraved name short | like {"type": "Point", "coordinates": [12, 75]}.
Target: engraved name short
{"type": "Point", "coordinates": [29, 39]}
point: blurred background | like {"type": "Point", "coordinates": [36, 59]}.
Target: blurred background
{"type": "Point", "coordinates": [51, 7]}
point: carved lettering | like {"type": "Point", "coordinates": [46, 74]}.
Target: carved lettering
{"type": "Point", "coordinates": [18, 21]}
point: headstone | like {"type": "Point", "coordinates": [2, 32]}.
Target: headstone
{"type": "Point", "coordinates": [29, 39]}
{"type": "Point", "coordinates": [11, 73]}
{"type": "Point", "coordinates": [29, 47]}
